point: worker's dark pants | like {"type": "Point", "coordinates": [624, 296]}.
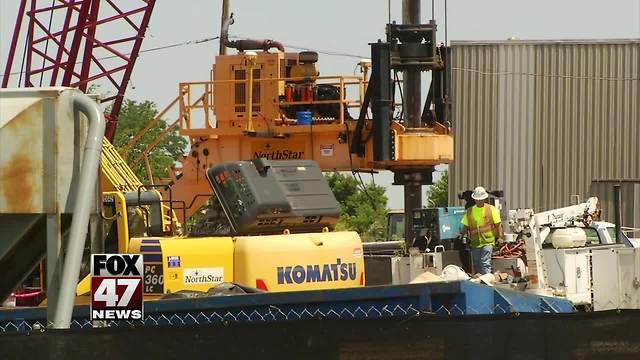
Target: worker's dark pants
{"type": "Point", "coordinates": [482, 259]}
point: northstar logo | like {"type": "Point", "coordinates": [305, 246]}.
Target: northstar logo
{"type": "Point", "coordinates": [203, 275]}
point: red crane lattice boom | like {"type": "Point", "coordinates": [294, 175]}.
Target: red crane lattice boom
{"type": "Point", "coordinates": [78, 43]}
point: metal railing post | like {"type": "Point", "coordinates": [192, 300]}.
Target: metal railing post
{"type": "Point", "coordinates": [81, 209]}
{"type": "Point", "coordinates": [341, 100]}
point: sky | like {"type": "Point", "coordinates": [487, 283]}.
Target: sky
{"type": "Point", "coordinates": [346, 27]}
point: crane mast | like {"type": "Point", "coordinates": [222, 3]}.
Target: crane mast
{"type": "Point", "coordinates": [71, 43]}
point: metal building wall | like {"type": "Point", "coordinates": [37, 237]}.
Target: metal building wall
{"type": "Point", "coordinates": [630, 196]}
{"type": "Point", "coordinates": [542, 119]}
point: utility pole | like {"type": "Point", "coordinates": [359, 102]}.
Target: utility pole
{"type": "Point", "coordinates": [223, 18]}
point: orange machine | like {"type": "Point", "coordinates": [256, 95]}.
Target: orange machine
{"type": "Point", "coordinates": [293, 113]}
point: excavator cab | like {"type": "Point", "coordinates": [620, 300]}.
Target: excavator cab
{"type": "Point", "coordinates": [134, 214]}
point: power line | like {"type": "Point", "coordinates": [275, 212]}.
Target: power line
{"type": "Point", "coordinates": [326, 52]}
{"type": "Point", "coordinates": [164, 47]}
{"type": "Point", "coordinates": [191, 42]}
{"type": "Point", "coordinates": [201, 41]}
{"type": "Point", "coordinates": [505, 73]}
{"type": "Point", "coordinates": [319, 51]}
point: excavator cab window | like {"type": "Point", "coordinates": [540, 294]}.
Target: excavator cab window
{"type": "Point", "coordinates": [137, 217]}
{"type": "Point", "coordinates": [395, 223]}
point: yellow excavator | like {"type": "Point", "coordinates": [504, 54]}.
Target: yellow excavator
{"type": "Point", "coordinates": [278, 240]}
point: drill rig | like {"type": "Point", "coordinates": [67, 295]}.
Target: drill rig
{"type": "Point", "coordinates": [277, 105]}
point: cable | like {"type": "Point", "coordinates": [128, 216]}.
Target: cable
{"type": "Point", "coordinates": [330, 53]}
{"type": "Point", "coordinates": [200, 41]}
{"type": "Point", "coordinates": [364, 190]}
{"type": "Point", "coordinates": [397, 80]}
{"type": "Point", "coordinates": [346, 125]}
{"type": "Point", "coordinates": [508, 250]}
{"type": "Point", "coordinates": [354, 172]}
{"type": "Point", "coordinates": [190, 42]}
{"type": "Point", "coordinates": [24, 59]}
{"type": "Point", "coordinates": [491, 73]}
{"type": "Point", "coordinates": [325, 52]}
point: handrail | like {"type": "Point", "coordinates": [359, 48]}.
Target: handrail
{"type": "Point", "coordinates": [153, 144]}
{"type": "Point", "coordinates": [299, 78]}
{"type": "Point", "coordinates": [125, 150]}
{"type": "Point", "coordinates": [187, 105]}
{"type": "Point", "coordinates": [630, 229]}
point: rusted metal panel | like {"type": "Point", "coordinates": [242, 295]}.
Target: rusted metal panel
{"type": "Point", "coordinates": [40, 150]}
{"type": "Point", "coordinates": [21, 165]}
{"type": "Point", "coordinates": [542, 119]}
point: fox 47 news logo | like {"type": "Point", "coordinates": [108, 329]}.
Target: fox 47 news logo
{"type": "Point", "coordinates": [116, 287]}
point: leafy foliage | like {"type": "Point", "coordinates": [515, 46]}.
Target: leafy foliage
{"type": "Point", "coordinates": [133, 117]}
{"type": "Point", "coordinates": [363, 210]}
{"type": "Point", "coordinates": [438, 193]}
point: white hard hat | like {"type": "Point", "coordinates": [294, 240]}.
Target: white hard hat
{"type": "Point", "coordinates": [479, 193]}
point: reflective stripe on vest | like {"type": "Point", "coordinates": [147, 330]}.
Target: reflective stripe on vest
{"type": "Point", "coordinates": [488, 224]}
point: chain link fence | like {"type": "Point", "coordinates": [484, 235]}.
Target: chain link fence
{"type": "Point", "coordinates": [270, 314]}
{"type": "Point", "coordinates": [441, 301]}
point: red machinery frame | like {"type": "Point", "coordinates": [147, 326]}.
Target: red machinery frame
{"type": "Point", "coordinates": [66, 45]}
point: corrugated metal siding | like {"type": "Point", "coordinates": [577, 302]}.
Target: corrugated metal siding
{"type": "Point", "coordinates": [541, 120]}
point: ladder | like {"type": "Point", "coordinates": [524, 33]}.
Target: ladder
{"type": "Point", "coordinates": [118, 176]}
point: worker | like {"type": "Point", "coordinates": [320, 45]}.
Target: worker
{"type": "Point", "coordinates": [482, 223]}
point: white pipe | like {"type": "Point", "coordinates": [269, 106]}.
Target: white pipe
{"type": "Point", "coordinates": [83, 206]}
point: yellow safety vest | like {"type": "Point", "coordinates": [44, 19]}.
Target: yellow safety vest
{"type": "Point", "coordinates": [484, 234]}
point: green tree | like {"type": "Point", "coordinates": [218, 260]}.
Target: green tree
{"type": "Point", "coordinates": [343, 186]}
{"type": "Point", "coordinates": [133, 117]}
{"type": "Point", "coordinates": [363, 210]}
{"type": "Point", "coordinates": [438, 193]}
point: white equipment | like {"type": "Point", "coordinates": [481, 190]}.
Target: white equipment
{"type": "Point", "coordinates": [536, 227]}
{"type": "Point", "coordinates": [406, 269]}
{"type": "Point", "coordinates": [587, 264]}
{"type": "Point", "coordinates": [566, 238]}
{"type": "Point", "coordinates": [616, 279]}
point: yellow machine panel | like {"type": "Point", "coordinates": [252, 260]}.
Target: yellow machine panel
{"type": "Point", "coordinates": [230, 90]}
{"type": "Point", "coordinates": [418, 146]}
{"type": "Point", "coordinates": [174, 264]}
{"type": "Point", "coordinates": [294, 262]}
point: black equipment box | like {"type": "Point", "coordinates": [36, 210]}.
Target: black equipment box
{"type": "Point", "coordinates": [267, 197]}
